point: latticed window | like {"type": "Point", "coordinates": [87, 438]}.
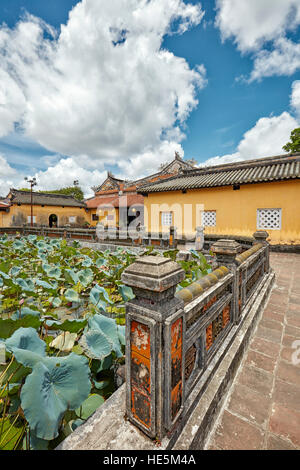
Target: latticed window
{"type": "Point", "coordinates": [269, 219]}
{"type": "Point", "coordinates": [166, 219]}
{"type": "Point", "coordinates": [209, 218]}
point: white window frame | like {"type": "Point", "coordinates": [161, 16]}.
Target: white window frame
{"type": "Point", "coordinates": [33, 219]}
{"type": "Point", "coordinates": [166, 219]}
{"type": "Point", "coordinates": [208, 214]}
{"type": "Point", "coordinates": [260, 225]}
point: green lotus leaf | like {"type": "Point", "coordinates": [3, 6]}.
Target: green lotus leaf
{"type": "Point", "coordinates": [18, 245]}
{"type": "Point", "coordinates": [25, 284]}
{"type": "Point", "coordinates": [121, 334]}
{"type": "Point", "coordinates": [71, 426]}
{"type": "Point", "coordinates": [126, 292]}
{"type": "Point", "coordinates": [72, 325]}
{"type": "Point", "coordinates": [9, 325]}
{"type": "Point", "coordinates": [4, 275]}
{"type": "Point", "coordinates": [71, 276]}
{"type": "Point", "coordinates": [54, 272]}
{"type": "Point", "coordinates": [95, 344]}
{"type": "Point", "coordinates": [25, 311]}
{"type": "Point", "coordinates": [55, 385]}
{"type": "Point", "coordinates": [109, 327]}
{"type": "Point", "coordinates": [101, 385]}
{"type": "Point", "coordinates": [25, 339]}
{"type": "Point", "coordinates": [15, 270]}
{"type": "Point", "coordinates": [87, 262]}
{"type": "Point", "coordinates": [99, 296]}
{"type": "Point", "coordinates": [101, 262]}
{"type": "Point", "coordinates": [10, 435]}
{"type": "Point", "coordinates": [43, 284]}
{"type": "Point", "coordinates": [71, 295]}
{"type": "Point", "coordinates": [89, 406]}
{"type": "Point", "coordinates": [11, 390]}
{"type": "Point", "coordinates": [56, 302]}
{"type": "Point", "coordinates": [86, 276]}
{"type": "Point", "coordinates": [36, 443]}
{"type": "Point", "coordinates": [32, 238]}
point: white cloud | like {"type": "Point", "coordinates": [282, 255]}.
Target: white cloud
{"type": "Point", "coordinates": [221, 160]}
{"type": "Point", "coordinates": [103, 87]}
{"type": "Point", "coordinates": [295, 97]}
{"type": "Point", "coordinates": [149, 162]}
{"type": "Point", "coordinates": [65, 172]}
{"type": "Point", "coordinates": [265, 139]}
{"type": "Point", "coordinates": [252, 24]}
{"type": "Point", "coordinates": [284, 59]}
{"type": "Point", "coordinates": [7, 174]}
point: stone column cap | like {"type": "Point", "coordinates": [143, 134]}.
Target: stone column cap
{"type": "Point", "coordinates": [154, 273]}
{"type": "Point", "coordinates": [260, 235]}
{"type": "Point", "coordinates": [226, 247]}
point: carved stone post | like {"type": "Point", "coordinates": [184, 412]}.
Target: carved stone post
{"type": "Point", "coordinates": [199, 242]}
{"type": "Point", "coordinates": [226, 251]}
{"type": "Point", "coordinates": [155, 334]}
{"type": "Point", "coordinates": [172, 238]}
{"type": "Point", "coordinates": [261, 237]}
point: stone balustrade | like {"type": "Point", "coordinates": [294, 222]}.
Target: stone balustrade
{"type": "Point", "coordinates": [172, 337]}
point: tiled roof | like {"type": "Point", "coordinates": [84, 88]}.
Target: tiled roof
{"type": "Point", "coordinates": [278, 168]}
{"type": "Point", "coordinates": [44, 199]}
{"type": "Point", "coordinates": [126, 200]}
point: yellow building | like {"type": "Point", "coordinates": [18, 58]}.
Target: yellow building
{"type": "Point", "coordinates": [231, 199]}
{"type": "Point", "coordinates": [50, 210]}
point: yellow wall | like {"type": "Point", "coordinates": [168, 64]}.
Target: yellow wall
{"type": "Point", "coordinates": [43, 213]}
{"type": "Point", "coordinates": [103, 217]}
{"type": "Point", "coordinates": [236, 211]}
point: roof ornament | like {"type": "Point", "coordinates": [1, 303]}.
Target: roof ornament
{"type": "Point", "coordinates": [177, 156]}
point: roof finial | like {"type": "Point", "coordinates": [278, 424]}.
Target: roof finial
{"type": "Point", "coordinates": [177, 156]}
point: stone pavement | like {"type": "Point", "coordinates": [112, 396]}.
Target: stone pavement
{"type": "Point", "coordinates": [262, 408]}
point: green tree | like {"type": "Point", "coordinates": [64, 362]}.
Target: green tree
{"type": "Point", "coordinates": [294, 144]}
{"type": "Point", "coordinates": [74, 191]}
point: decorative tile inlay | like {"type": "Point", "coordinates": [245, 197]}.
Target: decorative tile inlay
{"type": "Point", "coordinates": [140, 373]}
{"type": "Point", "coordinates": [176, 367]}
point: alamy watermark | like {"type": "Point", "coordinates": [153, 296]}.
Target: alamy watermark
{"type": "Point", "coordinates": [131, 221]}
{"type": "Point", "coordinates": [296, 354]}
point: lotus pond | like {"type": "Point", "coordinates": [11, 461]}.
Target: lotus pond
{"type": "Point", "coordinates": [62, 334]}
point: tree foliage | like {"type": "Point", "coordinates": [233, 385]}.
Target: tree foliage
{"type": "Point", "coordinates": [74, 191]}
{"type": "Point", "coordinates": [294, 144]}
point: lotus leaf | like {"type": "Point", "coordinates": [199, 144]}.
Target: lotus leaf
{"type": "Point", "coordinates": [9, 325]}
{"type": "Point", "coordinates": [71, 295]}
{"type": "Point", "coordinates": [25, 311]}
{"type": "Point", "coordinates": [87, 262]}
{"type": "Point", "coordinates": [95, 344]}
{"type": "Point", "coordinates": [55, 385]}
{"type": "Point", "coordinates": [54, 272]}
{"type": "Point", "coordinates": [109, 327]}
{"type": "Point", "coordinates": [71, 276]}
{"type": "Point", "coordinates": [25, 339]}
{"type": "Point", "coordinates": [126, 292]}
{"type": "Point", "coordinates": [86, 276]}
{"type": "Point", "coordinates": [64, 342]}
{"type": "Point", "coordinates": [101, 262]}
{"type": "Point", "coordinates": [10, 434]}
{"type": "Point", "coordinates": [89, 406]}
{"type": "Point", "coordinates": [26, 285]}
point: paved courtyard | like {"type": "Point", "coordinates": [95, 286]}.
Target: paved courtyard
{"type": "Point", "coordinates": [262, 409]}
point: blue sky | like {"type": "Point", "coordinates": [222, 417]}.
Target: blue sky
{"type": "Point", "coordinates": [216, 80]}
